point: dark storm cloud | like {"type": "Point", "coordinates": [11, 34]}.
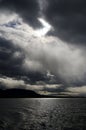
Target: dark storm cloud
{"type": "Point", "coordinates": [26, 59]}
{"type": "Point", "coordinates": [27, 9]}
{"type": "Point", "coordinates": [56, 89]}
{"type": "Point", "coordinates": [11, 60]}
{"type": "Point", "coordinates": [10, 64]}
{"type": "Point", "coordinates": [68, 19]}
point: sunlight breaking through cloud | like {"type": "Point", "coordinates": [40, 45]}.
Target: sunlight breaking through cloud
{"type": "Point", "coordinates": [46, 28]}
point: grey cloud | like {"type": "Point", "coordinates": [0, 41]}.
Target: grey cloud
{"type": "Point", "coordinates": [57, 88]}
{"type": "Point", "coordinates": [24, 56]}
{"type": "Point", "coordinates": [80, 90]}
{"type": "Point", "coordinates": [27, 9]}
{"type": "Point", "coordinates": [11, 58]}
{"type": "Point", "coordinates": [38, 59]}
{"type": "Point", "coordinates": [68, 19]}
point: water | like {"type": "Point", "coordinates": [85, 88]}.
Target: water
{"type": "Point", "coordinates": [43, 114]}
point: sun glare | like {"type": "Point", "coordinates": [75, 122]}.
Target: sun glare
{"type": "Point", "coordinates": [43, 31]}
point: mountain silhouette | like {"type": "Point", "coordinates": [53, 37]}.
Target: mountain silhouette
{"type": "Point", "coordinates": [22, 93]}
{"type": "Point", "coordinates": [18, 93]}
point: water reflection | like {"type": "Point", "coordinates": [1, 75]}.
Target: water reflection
{"type": "Point", "coordinates": [42, 114]}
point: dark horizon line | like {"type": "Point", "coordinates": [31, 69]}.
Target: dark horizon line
{"type": "Point", "coordinates": [23, 93]}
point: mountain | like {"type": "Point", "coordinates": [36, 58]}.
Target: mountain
{"type": "Point", "coordinates": [22, 93]}
{"type": "Point", "coordinates": [18, 93]}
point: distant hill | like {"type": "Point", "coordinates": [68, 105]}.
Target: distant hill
{"type": "Point", "coordinates": [22, 93]}
{"type": "Point", "coordinates": [18, 93]}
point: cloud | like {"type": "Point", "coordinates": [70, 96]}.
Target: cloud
{"type": "Point", "coordinates": [48, 59]}
{"type": "Point", "coordinates": [36, 56]}
{"type": "Point", "coordinates": [27, 9]}
{"type": "Point", "coordinates": [80, 90]}
{"type": "Point", "coordinates": [42, 87]}
{"type": "Point", "coordinates": [11, 58]}
{"type": "Point", "coordinates": [6, 17]}
{"type": "Point", "coordinates": [68, 19]}
{"type": "Point", "coordinates": [6, 82]}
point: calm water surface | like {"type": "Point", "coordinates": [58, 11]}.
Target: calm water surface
{"type": "Point", "coordinates": [43, 114]}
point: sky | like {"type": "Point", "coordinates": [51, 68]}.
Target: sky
{"type": "Point", "coordinates": [43, 46]}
